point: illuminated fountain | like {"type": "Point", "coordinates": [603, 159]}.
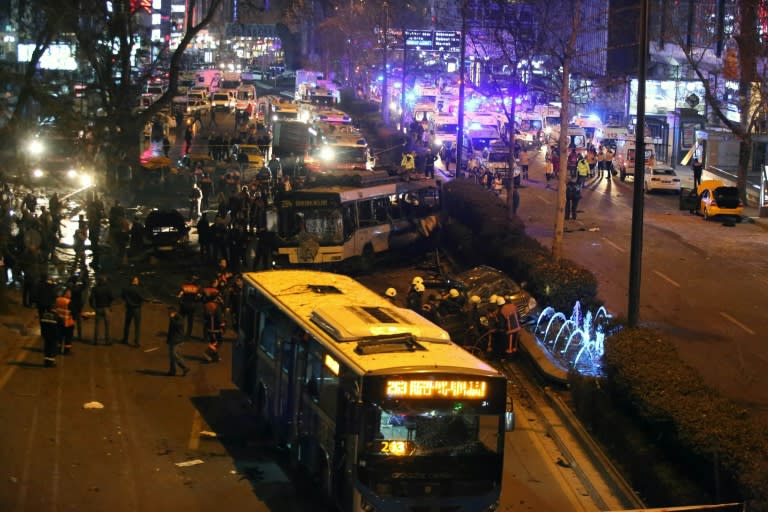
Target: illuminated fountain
{"type": "Point", "coordinates": [576, 342]}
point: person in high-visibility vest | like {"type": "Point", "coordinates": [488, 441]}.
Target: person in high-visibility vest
{"type": "Point", "coordinates": [189, 295]}
{"type": "Point", "coordinates": [582, 170]}
{"type": "Point", "coordinates": [214, 328]}
{"type": "Point", "coordinates": [65, 314]}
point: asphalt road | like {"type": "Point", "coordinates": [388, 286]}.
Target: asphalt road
{"type": "Point", "coordinates": [58, 455]}
{"type": "Point", "coordinates": [703, 283]}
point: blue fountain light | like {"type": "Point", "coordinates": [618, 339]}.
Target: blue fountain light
{"type": "Point", "coordinates": [577, 341]}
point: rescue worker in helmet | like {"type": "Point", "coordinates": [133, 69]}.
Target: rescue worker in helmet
{"type": "Point", "coordinates": [414, 298]}
{"type": "Point", "coordinates": [391, 294]}
{"type": "Point", "coordinates": [451, 303]}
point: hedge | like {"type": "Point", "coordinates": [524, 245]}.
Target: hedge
{"type": "Point", "coordinates": [645, 379]}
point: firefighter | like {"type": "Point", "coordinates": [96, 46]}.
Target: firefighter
{"type": "Point", "coordinates": [213, 327]}
{"type": "Point", "coordinates": [414, 297]}
{"type": "Point", "coordinates": [391, 294]}
{"type": "Point", "coordinates": [68, 323]}
{"type": "Point", "coordinates": [189, 295]}
{"type": "Point", "coordinates": [51, 328]}
{"type": "Point", "coordinates": [509, 325]}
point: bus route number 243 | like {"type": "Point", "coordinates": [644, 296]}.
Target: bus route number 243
{"type": "Point", "coordinates": [395, 447]}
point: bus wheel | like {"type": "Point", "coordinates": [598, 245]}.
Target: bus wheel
{"type": "Point", "coordinates": [367, 260]}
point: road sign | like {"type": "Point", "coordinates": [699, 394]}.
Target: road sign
{"type": "Point", "coordinates": [447, 41]}
{"type": "Point", "coordinates": [423, 39]}
{"type": "Point", "coordinates": [440, 40]}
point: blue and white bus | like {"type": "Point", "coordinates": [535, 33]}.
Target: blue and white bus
{"type": "Point", "coordinates": [374, 402]}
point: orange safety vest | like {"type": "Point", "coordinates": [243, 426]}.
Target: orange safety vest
{"type": "Point", "coordinates": [62, 309]}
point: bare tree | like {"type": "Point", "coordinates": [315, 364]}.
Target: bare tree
{"type": "Point", "coordinates": [743, 61]}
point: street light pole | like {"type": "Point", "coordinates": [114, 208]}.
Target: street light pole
{"type": "Point", "coordinates": [462, 78]}
{"type": "Point", "coordinates": [636, 250]}
{"type": "Point", "coordinates": [385, 81]}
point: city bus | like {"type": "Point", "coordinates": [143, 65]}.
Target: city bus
{"type": "Point", "coordinates": [373, 402]}
{"type": "Point", "coordinates": [333, 224]}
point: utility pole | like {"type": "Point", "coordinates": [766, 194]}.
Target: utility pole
{"type": "Point", "coordinates": [385, 81]}
{"type": "Point", "coordinates": [638, 205]}
{"type": "Point", "coordinates": [462, 78]}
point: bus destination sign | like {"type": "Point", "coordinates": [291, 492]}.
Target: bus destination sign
{"type": "Point", "coordinates": [470, 389]}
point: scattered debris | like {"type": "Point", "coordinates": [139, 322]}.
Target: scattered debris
{"type": "Point", "coordinates": [208, 434]}
{"type": "Point", "coordinates": [151, 349]}
{"type": "Point", "coordinates": [187, 463]}
{"type": "Point", "coordinates": [93, 405]}
{"type": "Point", "coordinates": [594, 229]}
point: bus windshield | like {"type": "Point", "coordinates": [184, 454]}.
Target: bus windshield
{"type": "Point", "coordinates": [442, 428]}
{"type": "Point", "coordinates": [323, 224]}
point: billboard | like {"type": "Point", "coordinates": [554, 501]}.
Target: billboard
{"type": "Point", "coordinates": [57, 56]}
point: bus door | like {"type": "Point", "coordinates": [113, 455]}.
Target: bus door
{"type": "Point", "coordinates": [285, 385]}
{"type": "Point", "coordinates": [244, 349]}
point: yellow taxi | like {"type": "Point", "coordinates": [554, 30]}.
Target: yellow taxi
{"type": "Point", "coordinates": [715, 198]}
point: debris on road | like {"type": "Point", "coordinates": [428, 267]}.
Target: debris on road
{"type": "Point", "coordinates": [594, 229]}
{"type": "Point", "coordinates": [187, 463]}
{"type": "Point", "coordinates": [208, 434]}
{"type": "Point", "coordinates": [93, 405]}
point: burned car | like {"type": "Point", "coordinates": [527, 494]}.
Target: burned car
{"type": "Point", "coordinates": [483, 281]}
{"type": "Point", "coordinates": [166, 230]}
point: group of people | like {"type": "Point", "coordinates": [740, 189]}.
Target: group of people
{"type": "Point", "coordinates": [495, 329]}
{"type": "Point", "coordinates": [61, 312]}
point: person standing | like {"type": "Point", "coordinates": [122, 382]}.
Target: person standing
{"type": "Point", "coordinates": [698, 169]}
{"type": "Point", "coordinates": [76, 305]}
{"type": "Point", "coordinates": [189, 295]}
{"type": "Point", "coordinates": [429, 164]}
{"type": "Point", "coordinates": [68, 323]}
{"type": "Point", "coordinates": [214, 327]}
{"type": "Point", "coordinates": [187, 139]}
{"type": "Point", "coordinates": [174, 339]}
{"type": "Point", "coordinates": [195, 197]}
{"type": "Point", "coordinates": [101, 301]}
{"type": "Point", "coordinates": [572, 197]}
{"type": "Point", "coordinates": [524, 162]}
{"type": "Point", "coordinates": [50, 329]}
{"type": "Point", "coordinates": [134, 298]}
{"type": "Point", "coordinates": [582, 170]}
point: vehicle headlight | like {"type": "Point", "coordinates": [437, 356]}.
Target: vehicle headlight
{"type": "Point", "coordinates": [71, 174]}
{"type": "Point", "coordinates": [86, 180]}
{"type": "Point", "coordinates": [327, 153]}
{"type": "Point", "coordinates": [438, 142]}
{"type": "Point", "coordinates": [37, 173]}
{"type": "Point", "coordinates": [36, 147]}
{"type": "Point", "coordinates": [547, 130]}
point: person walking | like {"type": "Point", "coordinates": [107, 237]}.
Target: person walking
{"type": "Point", "coordinates": [101, 301]}
{"type": "Point", "coordinates": [698, 169]}
{"type": "Point", "coordinates": [51, 330]}
{"type": "Point", "coordinates": [572, 197]}
{"type": "Point", "coordinates": [174, 339]}
{"type": "Point", "coordinates": [134, 298]}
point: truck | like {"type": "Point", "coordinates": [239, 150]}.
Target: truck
{"type": "Point", "coordinates": [230, 81]}
{"type": "Point", "coordinates": [209, 78]}
{"type": "Point", "coordinates": [290, 137]}
{"type": "Point", "coordinates": [306, 80]}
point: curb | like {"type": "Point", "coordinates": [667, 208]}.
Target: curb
{"type": "Point", "coordinates": [542, 358]}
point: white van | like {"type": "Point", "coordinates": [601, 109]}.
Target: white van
{"type": "Point", "coordinates": [624, 158]}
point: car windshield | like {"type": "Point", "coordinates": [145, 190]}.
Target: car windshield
{"type": "Point", "coordinates": [664, 172]}
{"type": "Point", "coordinates": [220, 97]}
{"type": "Point", "coordinates": [485, 281]}
{"type": "Point", "coordinates": [496, 156]}
{"type": "Point", "coordinates": [449, 128]}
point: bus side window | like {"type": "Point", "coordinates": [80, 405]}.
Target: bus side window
{"type": "Point", "coordinates": [365, 213]}
{"type": "Point", "coordinates": [329, 392]}
{"type": "Point", "coordinates": [269, 338]}
{"type": "Point", "coordinates": [380, 209]}
{"type": "Point", "coordinates": [314, 370]}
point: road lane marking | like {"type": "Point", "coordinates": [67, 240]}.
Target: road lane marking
{"type": "Point", "coordinates": [22, 355]}
{"type": "Point", "coordinates": [21, 500]}
{"type": "Point", "coordinates": [736, 322]}
{"type": "Point", "coordinates": [194, 434]}
{"type": "Point", "coordinates": [667, 279]}
{"type": "Point", "coordinates": [620, 249]}
{"type": "Point", "coordinates": [56, 477]}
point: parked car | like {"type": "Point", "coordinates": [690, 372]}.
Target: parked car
{"type": "Point", "coordinates": [715, 198]}
{"type": "Point", "coordinates": [166, 230]}
{"type": "Point", "coordinates": [661, 177]}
